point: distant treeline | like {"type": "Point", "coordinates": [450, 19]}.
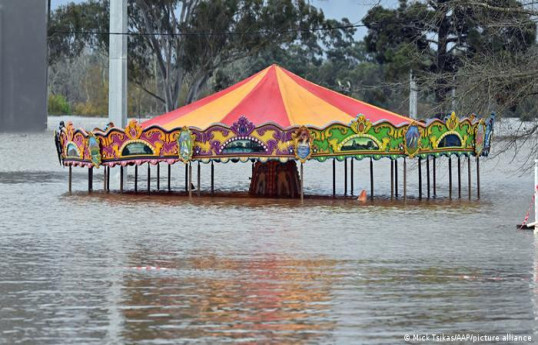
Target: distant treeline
{"type": "Point", "coordinates": [465, 55]}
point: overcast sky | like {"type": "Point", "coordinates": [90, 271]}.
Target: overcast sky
{"type": "Point", "coordinates": [354, 10]}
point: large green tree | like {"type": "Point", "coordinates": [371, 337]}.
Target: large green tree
{"type": "Point", "coordinates": [183, 42]}
{"type": "Point", "coordinates": [435, 38]}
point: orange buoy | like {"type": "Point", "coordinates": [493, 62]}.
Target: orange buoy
{"type": "Point", "coordinates": [362, 197]}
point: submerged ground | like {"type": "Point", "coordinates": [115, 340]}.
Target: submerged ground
{"type": "Point", "coordinates": [257, 270]}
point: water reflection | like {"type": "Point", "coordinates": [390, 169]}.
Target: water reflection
{"type": "Point", "coordinates": [206, 297]}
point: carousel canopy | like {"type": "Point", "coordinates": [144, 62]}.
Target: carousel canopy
{"type": "Point", "coordinates": [274, 95]}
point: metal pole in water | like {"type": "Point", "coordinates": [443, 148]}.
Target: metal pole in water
{"type": "Point", "coordinates": [90, 179]}
{"type": "Point", "coordinates": [477, 177]}
{"type": "Point", "coordinates": [212, 178]}
{"type": "Point", "coordinates": [136, 178]}
{"type": "Point", "coordinates": [345, 176]}
{"type": "Point", "coordinates": [396, 177]}
{"type": "Point", "coordinates": [450, 177]}
{"type": "Point", "coordinates": [198, 177]}
{"type": "Point", "coordinates": [190, 180]}
{"type": "Point", "coordinates": [371, 179]}
{"type": "Point", "coordinates": [149, 177]}
{"type": "Point", "coordinates": [434, 179]}
{"type": "Point", "coordinates": [535, 194]}
{"type": "Point", "coordinates": [187, 177]}
{"type": "Point", "coordinates": [169, 177]}
{"type": "Point", "coordinates": [70, 177]}
{"type": "Point", "coordinates": [405, 179]}
{"type": "Point", "coordinates": [469, 175]}
{"type": "Point", "coordinates": [428, 175]}
{"type": "Point", "coordinates": [352, 168]}
{"type": "Point", "coordinates": [158, 176]}
{"type": "Point", "coordinates": [419, 178]}
{"type": "Point", "coordinates": [121, 179]}
{"type": "Point", "coordinates": [459, 178]}
{"type": "Point", "coordinates": [302, 183]}
{"type": "Point", "coordinates": [104, 178]}
{"type": "Point", "coordinates": [391, 179]}
{"type": "Point", "coordinates": [108, 178]}
{"type": "Point", "coordinates": [334, 177]}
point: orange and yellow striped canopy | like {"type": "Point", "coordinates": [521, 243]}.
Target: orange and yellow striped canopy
{"type": "Point", "coordinates": [274, 95]}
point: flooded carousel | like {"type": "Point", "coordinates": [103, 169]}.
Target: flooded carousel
{"type": "Point", "coordinates": [279, 122]}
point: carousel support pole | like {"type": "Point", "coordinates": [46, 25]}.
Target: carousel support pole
{"type": "Point", "coordinates": [428, 175]}
{"type": "Point", "coordinates": [450, 177]}
{"type": "Point", "coordinates": [121, 179]}
{"type": "Point", "coordinates": [469, 175]}
{"type": "Point", "coordinates": [396, 178]}
{"type": "Point", "coordinates": [459, 178]}
{"type": "Point", "coordinates": [169, 177]}
{"type": "Point", "coordinates": [90, 179]}
{"type": "Point", "coordinates": [190, 180]}
{"type": "Point", "coordinates": [149, 177]}
{"type": "Point", "coordinates": [405, 179]}
{"type": "Point", "coordinates": [158, 176]}
{"type": "Point", "coordinates": [391, 179]}
{"type": "Point", "coordinates": [136, 178]}
{"type": "Point", "coordinates": [302, 183]}
{"type": "Point", "coordinates": [70, 178]}
{"type": "Point", "coordinates": [108, 178]}
{"type": "Point", "coordinates": [371, 179]}
{"type": "Point", "coordinates": [334, 177]}
{"type": "Point", "coordinates": [187, 187]}
{"type": "Point", "coordinates": [477, 177]}
{"type": "Point", "coordinates": [352, 171]}
{"type": "Point", "coordinates": [212, 178]}
{"type": "Point", "coordinates": [345, 176]}
{"type": "Point", "coordinates": [104, 178]}
{"type": "Point", "coordinates": [420, 178]}
{"type": "Point", "coordinates": [198, 177]}
{"type": "Point", "coordinates": [434, 179]}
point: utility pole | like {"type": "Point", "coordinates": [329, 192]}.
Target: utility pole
{"type": "Point", "coordinates": [117, 68]}
{"type": "Point", "coordinates": [413, 96]}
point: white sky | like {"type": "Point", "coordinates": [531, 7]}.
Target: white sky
{"type": "Point", "coordinates": [354, 10]}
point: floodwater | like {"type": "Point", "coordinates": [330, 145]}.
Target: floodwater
{"type": "Point", "coordinates": [162, 269]}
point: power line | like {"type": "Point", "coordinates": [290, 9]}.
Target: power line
{"type": "Point", "coordinates": [205, 33]}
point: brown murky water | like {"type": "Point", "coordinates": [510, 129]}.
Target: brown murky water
{"type": "Point", "coordinates": [256, 270]}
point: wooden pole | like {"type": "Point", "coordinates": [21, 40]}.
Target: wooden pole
{"type": "Point", "coordinates": [477, 177]}
{"type": "Point", "coordinates": [212, 178]}
{"type": "Point", "coordinates": [396, 177]}
{"type": "Point", "coordinates": [345, 176]}
{"type": "Point", "coordinates": [391, 179]}
{"type": "Point", "coordinates": [302, 183]}
{"type": "Point", "coordinates": [434, 178]}
{"type": "Point", "coordinates": [428, 175]}
{"type": "Point", "coordinates": [149, 177]}
{"type": "Point", "coordinates": [352, 173]}
{"type": "Point", "coordinates": [190, 180]}
{"type": "Point", "coordinates": [419, 178]}
{"type": "Point", "coordinates": [405, 179]}
{"type": "Point", "coordinates": [450, 177]}
{"type": "Point", "coordinates": [121, 179]}
{"type": "Point", "coordinates": [169, 177]}
{"type": "Point", "coordinates": [158, 176]}
{"type": "Point", "coordinates": [136, 178]}
{"type": "Point", "coordinates": [90, 179]}
{"type": "Point", "coordinates": [70, 178]}
{"type": "Point", "coordinates": [198, 178]}
{"type": "Point", "coordinates": [459, 178]}
{"type": "Point", "coordinates": [469, 175]}
{"type": "Point", "coordinates": [334, 177]}
{"type": "Point", "coordinates": [371, 179]}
